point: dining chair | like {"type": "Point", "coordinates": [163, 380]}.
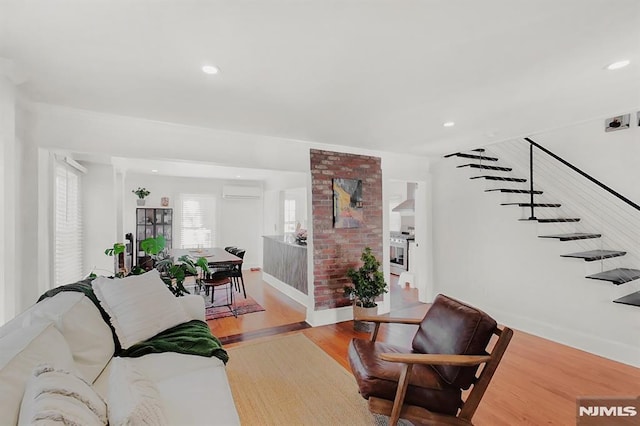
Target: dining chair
{"type": "Point", "coordinates": [211, 280]}
{"type": "Point", "coordinates": [236, 272]}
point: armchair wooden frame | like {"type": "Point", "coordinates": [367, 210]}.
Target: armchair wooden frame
{"type": "Point", "coordinates": [397, 409]}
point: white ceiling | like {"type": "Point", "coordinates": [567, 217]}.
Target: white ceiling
{"type": "Point", "coordinates": [374, 74]}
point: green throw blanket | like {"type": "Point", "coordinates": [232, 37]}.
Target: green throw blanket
{"type": "Point", "coordinates": [191, 338]}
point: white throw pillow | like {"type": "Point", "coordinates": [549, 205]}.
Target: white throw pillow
{"type": "Point", "coordinates": [56, 396]}
{"type": "Point", "coordinates": [140, 306]}
{"type": "Point", "coordinates": [133, 398]}
{"type": "Point", "coordinates": [21, 352]}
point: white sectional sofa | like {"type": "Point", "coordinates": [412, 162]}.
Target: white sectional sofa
{"type": "Point", "coordinates": [68, 332]}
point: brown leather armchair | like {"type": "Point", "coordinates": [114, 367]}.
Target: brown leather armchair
{"type": "Point", "coordinates": [425, 383]}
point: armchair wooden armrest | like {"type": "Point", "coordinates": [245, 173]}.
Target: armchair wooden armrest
{"type": "Point", "coordinates": [389, 320]}
{"type": "Point", "coordinates": [436, 359]}
{"type": "Point", "coordinates": [377, 320]}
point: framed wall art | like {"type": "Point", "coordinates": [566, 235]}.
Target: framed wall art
{"type": "Point", "coordinates": [347, 203]}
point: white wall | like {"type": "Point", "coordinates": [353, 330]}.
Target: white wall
{"type": "Point", "coordinates": [239, 221]}
{"type": "Point", "coordinates": [611, 157]}
{"type": "Point", "coordinates": [99, 206]}
{"type": "Point", "coordinates": [272, 218]}
{"type": "Point", "coordinates": [8, 195]}
{"type": "Point", "coordinates": [484, 255]}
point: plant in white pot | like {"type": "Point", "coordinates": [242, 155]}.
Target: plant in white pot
{"type": "Point", "coordinates": [141, 193]}
{"type": "Point", "coordinates": [367, 284]}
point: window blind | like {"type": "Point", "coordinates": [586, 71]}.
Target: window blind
{"type": "Point", "coordinates": [198, 222]}
{"type": "Point", "coordinates": [68, 226]}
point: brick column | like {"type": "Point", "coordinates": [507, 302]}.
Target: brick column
{"type": "Point", "coordinates": [336, 250]}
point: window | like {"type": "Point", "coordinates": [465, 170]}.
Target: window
{"type": "Point", "coordinates": [289, 216]}
{"type": "Point", "coordinates": [67, 263]}
{"type": "Point", "coordinates": [197, 226]}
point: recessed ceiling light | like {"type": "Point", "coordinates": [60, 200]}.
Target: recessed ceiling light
{"type": "Point", "coordinates": [210, 69]}
{"type": "Point", "coordinates": [448, 124]}
{"type": "Point", "coordinates": [618, 65]}
{"type": "Point", "coordinates": [154, 171]}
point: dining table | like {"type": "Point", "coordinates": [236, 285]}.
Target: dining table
{"type": "Point", "coordinates": [216, 256]}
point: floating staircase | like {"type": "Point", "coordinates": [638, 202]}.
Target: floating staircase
{"type": "Point", "coordinates": [617, 276]}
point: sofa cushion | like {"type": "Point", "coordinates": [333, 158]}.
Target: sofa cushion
{"type": "Point", "coordinates": [133, 398]}
{"type": "Point", "coordinates": [193, 389]}
{"type": "Point", "coordinates": [452, 327]}
{"type": "Point", "coordinates": [82, 326]}
{"type": "Point", "coordinates": [57, 396]}
{"type": "Point", "coordinates": [20, 353]}
{"type": "Point", "coordinates": [180, 392]}
{"type": "Point", "coordinates": [90, 339]}
{"type": "Point", "coordinates": [140, 306]}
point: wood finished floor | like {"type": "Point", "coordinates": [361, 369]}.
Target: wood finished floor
{"type": "Point", "coordinates": [537, 382]}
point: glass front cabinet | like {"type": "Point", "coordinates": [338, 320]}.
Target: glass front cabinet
{"type": "Point", "coordinates": [151, 223]}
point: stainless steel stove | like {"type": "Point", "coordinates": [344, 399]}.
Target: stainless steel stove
{"type": "Point", "coordinates": [399, 251]}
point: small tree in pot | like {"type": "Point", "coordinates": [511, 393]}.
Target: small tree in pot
{"type": "Point", "coordinates": [367, 285]}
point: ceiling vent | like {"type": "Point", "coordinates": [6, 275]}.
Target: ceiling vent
{"type": "Point", "coordinates": [234, 192]}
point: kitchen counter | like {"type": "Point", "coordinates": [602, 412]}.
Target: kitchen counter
{"type": "Point", "coordinates": [285, 261]}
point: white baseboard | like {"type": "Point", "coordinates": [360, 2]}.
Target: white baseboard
{"type": "Point", "coordinates": [296, 295]}
{"type": "Point", "coordinates": [624, 353]}
{"type": "Point", "coordinates": [324, 316]}
{"type": "Point", "coordinates": [329, 316]}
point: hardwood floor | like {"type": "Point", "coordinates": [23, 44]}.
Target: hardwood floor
{"type": "Point", "coordinates": [536, 383]}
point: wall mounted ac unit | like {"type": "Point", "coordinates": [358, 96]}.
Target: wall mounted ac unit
{"type": "Point", "coordinates": [234, 192]}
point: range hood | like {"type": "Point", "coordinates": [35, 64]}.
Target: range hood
{"type": "Point", "coordinates": [408, 206]}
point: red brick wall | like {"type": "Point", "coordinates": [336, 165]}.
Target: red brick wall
{"type": "Point", "coordinates": [336, 250]}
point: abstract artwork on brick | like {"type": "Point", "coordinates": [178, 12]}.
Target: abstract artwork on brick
{"type": "Point", "coordinates": [347, 203]}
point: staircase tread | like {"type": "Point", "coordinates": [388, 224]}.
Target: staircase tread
{"type": "Point", "coordinates": [572, 236]}
{"type": "Point", "coordinates": [592, 255]}
{"type": "Point", "coordinates": [471, 156]}
{"type": "Point", "coordinates": [513, 191]}
{"type": "Point", "coordinates": [632, 299]}
{"type": "Point", "coordinates": [534, 204]}
{"type": "Point", "coordinates": [507, 179]}
{"type": "Point", "coordinates": [559, 219]}
{"type": "Point", "coordinates": [485, 167]}
{"type": "Point", "coordinates": [617, 276]}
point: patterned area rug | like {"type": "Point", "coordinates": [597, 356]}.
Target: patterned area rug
{"type": "Point", "coordinates": [241, 305]}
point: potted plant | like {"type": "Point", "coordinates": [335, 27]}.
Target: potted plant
{"type": "Point", "coordinates": [141, 193]}
{"type": "Point", "coordinates": [116, 251]}
{"type": "Point", "coordinates": [173, 274]}
{"type": "Point", "coordinates": [367, 284]}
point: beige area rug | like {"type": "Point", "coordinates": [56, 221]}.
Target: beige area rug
{"type": "Point", "coordinates": [288, 380]}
